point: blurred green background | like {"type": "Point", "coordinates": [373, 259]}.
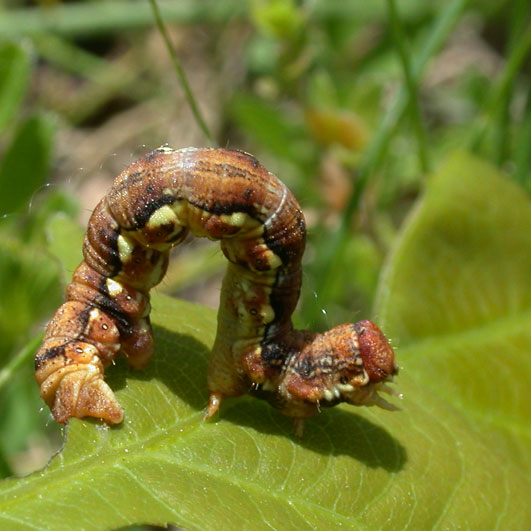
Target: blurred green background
{"type": "Point", "coordinates": [351, 103]}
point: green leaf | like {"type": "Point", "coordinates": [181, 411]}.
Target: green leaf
{"type": "Point", "coordinates": [457, 298]}
{"type": "Point", "coordinates": [14, 76]}
{"type": "Point", "coordinates": [432, 465]}
{"type": "Point", "coordinates": [46, 203]}
{"type": "Point", "coordinates": [26, 163]}
{"type": "Point", "coordinates": [271, 128]}
{"type": "Point", "coordinates": [279, 18]}
{"type": "Point", "coordinates": [61, 232]}
{"type": "Point", "coordinates": [29, 286]}
{"type": "Point", "coordinates": [29, 290]}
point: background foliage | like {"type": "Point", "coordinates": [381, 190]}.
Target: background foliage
{"type": "Point", "coordinates": [360, 108]}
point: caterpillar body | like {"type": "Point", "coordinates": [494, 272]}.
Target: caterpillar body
{"type": "Point", "coordinates": [222, 195]}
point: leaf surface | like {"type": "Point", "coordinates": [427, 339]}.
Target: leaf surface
{"type": "Point", "coordinates": [26, 162]}
{"type": "Point", "coordinates": [436, 464]}
{"type": "Point", "coordinates": [14, 75]}
{"type": "Point", "coordinates": [457, 297]}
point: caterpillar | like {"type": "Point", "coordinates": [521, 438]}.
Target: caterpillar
{"type": "Point", "coordinates": [222, 195]}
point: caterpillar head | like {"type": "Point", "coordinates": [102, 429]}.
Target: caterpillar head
{"type": "Point", "coordinates": [349, 363]}
{"type": "Point", "coordinates": [378, 363]}
{"type": "Point", "coordinates": [375, 351]}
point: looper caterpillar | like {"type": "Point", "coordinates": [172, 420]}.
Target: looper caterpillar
{"type": "Point", "coordinates": [222, 195]}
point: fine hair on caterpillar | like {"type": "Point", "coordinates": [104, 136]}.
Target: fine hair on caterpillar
{"type": "Point", "coordinates": [222, 195]}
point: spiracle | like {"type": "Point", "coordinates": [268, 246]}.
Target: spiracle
{"type": "Point", "coordinates": [222, 195]}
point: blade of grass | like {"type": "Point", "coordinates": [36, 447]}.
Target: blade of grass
{"type": "Point", "coordinates": [411, 84]}
{"type": "Point", "coordinates": [20, 359]}
{"type": "Point", "coordinates": [519, 19]}
{"type": "Point", "coordinates": [501, 129]}
{"type": "Point", "coordinates": [180, 72]}
{"type": "Point", "coordinates": [107, 79]}
{"type": "Point", "coordinates": [330, 256]}
{"type": "Point", "coordinates": [86, 18]}
{"type": "Point", "coordinates": [502, 89]}
{"type": "Point", "coordinates": [89, 18]}
{"type": "Point", "coordinates": [522, 155]}
{"type": "Point", "coordinates": [72, 58]}
{"type": "Point", "coordinates": [26, 163]}
{"type": "Point", "coordinates": [15, 65]}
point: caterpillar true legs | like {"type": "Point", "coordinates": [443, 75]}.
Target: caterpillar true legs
{"type": "Point", "coordinates": [222, 195]}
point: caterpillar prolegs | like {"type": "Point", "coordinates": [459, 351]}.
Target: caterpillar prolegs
{"type": "Point", "coordinates": [222, 195]}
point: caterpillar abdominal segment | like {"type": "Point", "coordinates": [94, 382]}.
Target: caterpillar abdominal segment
{"type": "Point", "coordinates": [222, 195]}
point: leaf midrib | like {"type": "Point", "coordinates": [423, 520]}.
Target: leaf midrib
{"type": "Point", "coordinates": [110, 454]}
{"type": "Point", "coordinates": [155, 442]}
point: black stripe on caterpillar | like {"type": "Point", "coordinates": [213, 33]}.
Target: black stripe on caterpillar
{"type": "Point", "coordinates": [222, 195]}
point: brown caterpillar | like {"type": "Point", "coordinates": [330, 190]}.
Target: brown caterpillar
{"type": "Point", "coordinates": [222, 195]}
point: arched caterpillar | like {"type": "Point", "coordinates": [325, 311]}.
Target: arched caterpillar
{"type": "Point", "coordinates": [222, 195]}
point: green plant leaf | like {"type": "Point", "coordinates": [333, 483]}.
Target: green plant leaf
{"type": "Point", "coordinates": [30, 288]}
{"type": "Point", "coordinates": [14, 76]}
{"type": "Point", "coordinates": [270, 127]}
{"type": "Point", "coordinates": [29, 285]}
{"type": "Point", "coordinates": [432, 465]}
{"type": "Point", "coordinates": [279, 18]}
{"type": "Point", "coordinates": [26, 163]}
{"type": "Point", "coordinates": [61, 232]}
{"type": "Point", "coordinates": [457, 297]}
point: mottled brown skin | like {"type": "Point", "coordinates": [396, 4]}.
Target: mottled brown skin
{"type": "Point", "coordinates": [222, 195]}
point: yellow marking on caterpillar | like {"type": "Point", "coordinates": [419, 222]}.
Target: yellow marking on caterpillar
{"type": "Point", "coordinates": [236, 219]}
{"type": "Point", "coordinates": [267, 313]}
{"type": "Point", "coordinates": [113, 288]}
{"type": "Point", "coordinates": [344, 388]}
{"type": "Point", "coordinates": [125, 248]}
{"type": "Point", "coordinates": [94, 314]}
{"type": "Point", "coordinates": [362, 379]}
{"type": "Point", "coordinates": [155, 276]}
{"type": "Point", "coordinates": [162, 216]}
{"type": "Point", "coordinates": [273, 260]}
{"type": "Point", "coordinates": [180, 208]}
{"type": "Point", "coordinates": [328, 395]}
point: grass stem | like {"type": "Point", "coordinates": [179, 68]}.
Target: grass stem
{"type": "Point", "coordinates": [332, 250]}
{"type": "Point", "coordinates": [411, 84]}
{"type": "Point", "coordinates": [20, 359]}
{"type": "Point", "coordinates": [502, 89]}
{"type": "Point", "coordinates": [180, 72]}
